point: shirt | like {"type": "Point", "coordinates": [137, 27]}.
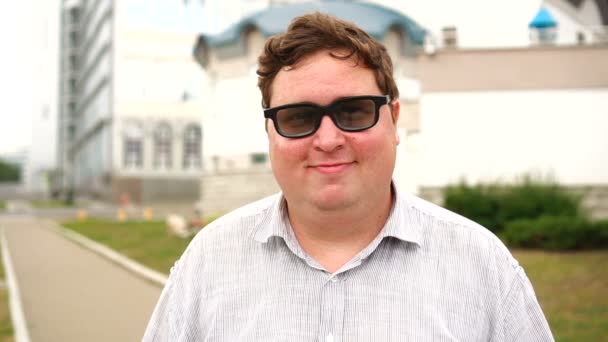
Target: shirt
{"type": "Point", "coordinates": [430, 275]}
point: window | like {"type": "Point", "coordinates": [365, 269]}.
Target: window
{"type": "Point", "coordinates": [192, 147]}
{"type": "Point", "coordinates": [133, 145]}
{"type": "Point", "coordinates": [71, 132]}
{"type": "Point", "coordinates": [253, 41]}
{"type": "Point", "coordinates": [162, 146]}
{"type": "Point", "coordinates": [258, 158]}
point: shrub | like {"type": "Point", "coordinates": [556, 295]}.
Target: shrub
{"type": "Point", "coordinates": [556, 233]}
{"type": "Point", "coordinates": [479, 203]}
{"type": "Point", "coordinates": [533, 199]}
{"type": "Point", "coordinates": [9, 172]}
{"type": "Point", "coordinates": [601, 229]}
{"type": "Point", "coordinates": [495, 205]}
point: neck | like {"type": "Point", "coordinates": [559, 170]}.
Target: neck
{"type": "Point", "coordinates": [333, 237]}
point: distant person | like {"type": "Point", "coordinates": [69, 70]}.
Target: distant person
{"type": "Point", "coordinates": [341, 254]}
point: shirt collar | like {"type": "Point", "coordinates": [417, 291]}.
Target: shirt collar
{"type": "Point", "coordinates": [275, 222]}
{"type": "Point", "coordinates": [403, 222]}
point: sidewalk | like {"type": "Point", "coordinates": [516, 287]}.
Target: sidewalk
{"type": "Point", "coordinates": [69, 293]}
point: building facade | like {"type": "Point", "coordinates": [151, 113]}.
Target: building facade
{"type": "Point", "coordinates": [480, 106]}
{"type": "Point", "coordinates": [537, 111]}
{"type": "Point", "coordinates": [129, 112]}
{"type": "Point", "coordinates": [235, 145]}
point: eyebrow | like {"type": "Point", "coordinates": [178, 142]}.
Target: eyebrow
{"type": "Point", "coordinates": [330, 104]}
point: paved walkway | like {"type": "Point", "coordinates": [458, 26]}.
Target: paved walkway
{"type": "Point", "coordinates": [69, 293]}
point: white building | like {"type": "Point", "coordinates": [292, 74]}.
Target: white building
{"type": "Point", "coordinates": [495, 114]}
{"type": "Point", "coordinates": [130, 112]}
{"type": "Point", "coordinates": [235, 144]}
{"type": "Point", "coordinates": [483, 101]}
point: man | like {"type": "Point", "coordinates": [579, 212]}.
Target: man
{"type": "Point", "coordinates": [341, 254]}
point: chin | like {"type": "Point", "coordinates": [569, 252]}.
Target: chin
{"type": "Point", "coordinates": [332, 201]}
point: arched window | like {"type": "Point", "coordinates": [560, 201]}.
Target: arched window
{"type": "Point", "coordinates": [253, 42]}
{"type": "Point", "coordinates": [133, 145]}
{"type": "Point", "coordinates": [163, 151]}
{"type": "Point", "coordinates": [396, 41]}
{"type": "Point", "coordinates": [192, 147]}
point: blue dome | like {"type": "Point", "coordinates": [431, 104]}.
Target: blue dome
{"type": "Point", "coordinates": [543, 19]}
{"type": "Point", "coordinates": [374, 19]}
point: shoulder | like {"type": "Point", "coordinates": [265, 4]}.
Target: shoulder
{"type": "Point", "coordinates": [445, 232]}
{"type": "Point", "coordinates": [233, 230]}
{"type": "Point", "coordinates": [464, 247]}
{"type": "Point", "coordinates": [241, 220]}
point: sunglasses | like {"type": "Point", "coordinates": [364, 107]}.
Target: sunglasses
{"type": "Point", "coordinates": [350, 114]}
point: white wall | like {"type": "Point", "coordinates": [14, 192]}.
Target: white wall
{"type": "Point", "coordinates": [235, 123]}
{"type": "Point", "coordinates": [569, 26]}
{"type": "Point", "coordinates": [155, 66]}
{"type": "Point", "coordinates": [486, 136]}
{"type": "Point", "coordinates": [153, 69]}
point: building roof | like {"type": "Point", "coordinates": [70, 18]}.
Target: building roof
{"type": "Point", "coordinates": [374, 19]}
{"type": "Point", "coordinates": [543, 19]}
{"type": "Point", "coordinates": [602, 6]}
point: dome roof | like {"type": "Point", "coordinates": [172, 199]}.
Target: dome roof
{"type": "Point", "coordinates": [543, 19]}
{"type": "Point", "coordinates": [374, 19]}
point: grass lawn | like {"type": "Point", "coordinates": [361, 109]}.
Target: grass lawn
{"type": "Point", "coordinates": [51, 204]}
{"type": "Point", "coordinates": [6, 326]}
{"type": "Point", "coordinates": [571, 287]}
{"type": "Point", "coordinates": [2, 205]}
{"type": "Point", "coordinates": [144, 241]}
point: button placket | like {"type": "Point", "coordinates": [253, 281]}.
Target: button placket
{"type": "Point", "coordinates": [332, 309]}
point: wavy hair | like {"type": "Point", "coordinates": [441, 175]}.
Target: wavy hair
{"type": "Point", "coordinates": [314, 32]}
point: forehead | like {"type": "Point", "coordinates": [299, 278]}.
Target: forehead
{"type": "Point", "coordinates": [322, 78]}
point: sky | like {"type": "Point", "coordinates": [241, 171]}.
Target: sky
{"type": "Point", "coordinates": [22, 26]}
{"type": "Point", "coordinates": [18, 27]}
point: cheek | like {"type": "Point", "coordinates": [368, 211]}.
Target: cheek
{"type": "Point", "coordinates": [286, 152]}
{"type": "Point", "coordinates": [377, 150]}
{"type": "Point", "coordinates": [368, 147]}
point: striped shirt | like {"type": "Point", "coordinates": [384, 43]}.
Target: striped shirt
{"type": "Point", "coordinates": [430, 275]}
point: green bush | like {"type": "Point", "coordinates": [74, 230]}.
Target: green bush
{"type": "Point", "coordinates": [9, 172]}
{"type": "Point", "coordinates": [556, 233]}
{"type": "Point", "coordinates": [480, 203]}
{"type": "Point", "coordinates": [601, 228]}
{"type": "Point", "coordinates": [495, 205]}
{"type": "Point", "coordinates": [530, 199]}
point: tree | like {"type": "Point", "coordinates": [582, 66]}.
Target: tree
{"type": "Point", "coordinates": [9, 172]}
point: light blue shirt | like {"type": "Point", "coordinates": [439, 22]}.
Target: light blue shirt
{"type": "Point", "coordinates": [430, 275]}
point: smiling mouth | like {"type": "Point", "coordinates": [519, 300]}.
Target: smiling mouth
{"type": "Point", "coordinates": [331, 168]}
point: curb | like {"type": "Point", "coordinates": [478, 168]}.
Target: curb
{"type": "Point", "coordinates": [14, 296]}
{"type": "Point", "coordinates": [133, 266]}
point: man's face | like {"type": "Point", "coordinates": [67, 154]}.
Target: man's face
{"type": "Point", "coordinates": [332, 169]}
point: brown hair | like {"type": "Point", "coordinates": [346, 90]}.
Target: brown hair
{"type": "Point", "coordinates": [314, 32]}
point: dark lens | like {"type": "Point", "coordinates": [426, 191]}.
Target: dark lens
{"type": "Point", "coordinates": [356, 114]}
{"type": "Point", "coordinates": [297, 120]}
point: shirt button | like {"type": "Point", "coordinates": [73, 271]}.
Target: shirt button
{"type": "Point", "coordinates": [334, 279]}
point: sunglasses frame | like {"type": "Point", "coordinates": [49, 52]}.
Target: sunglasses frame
{"type": "Point", "coordinates": [329, 110]}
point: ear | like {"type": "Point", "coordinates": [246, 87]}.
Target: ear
{"type": "Point", "coordinates": [396, 109]}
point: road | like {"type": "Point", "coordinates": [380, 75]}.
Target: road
{"type": "Point", "coordinates": [69, 293]}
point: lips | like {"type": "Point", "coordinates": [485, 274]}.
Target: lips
{"type": "Point", "coordinates": [332, 168]}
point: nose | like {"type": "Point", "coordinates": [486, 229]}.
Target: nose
{"type": "Point", "coordinates": [328, 137]}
